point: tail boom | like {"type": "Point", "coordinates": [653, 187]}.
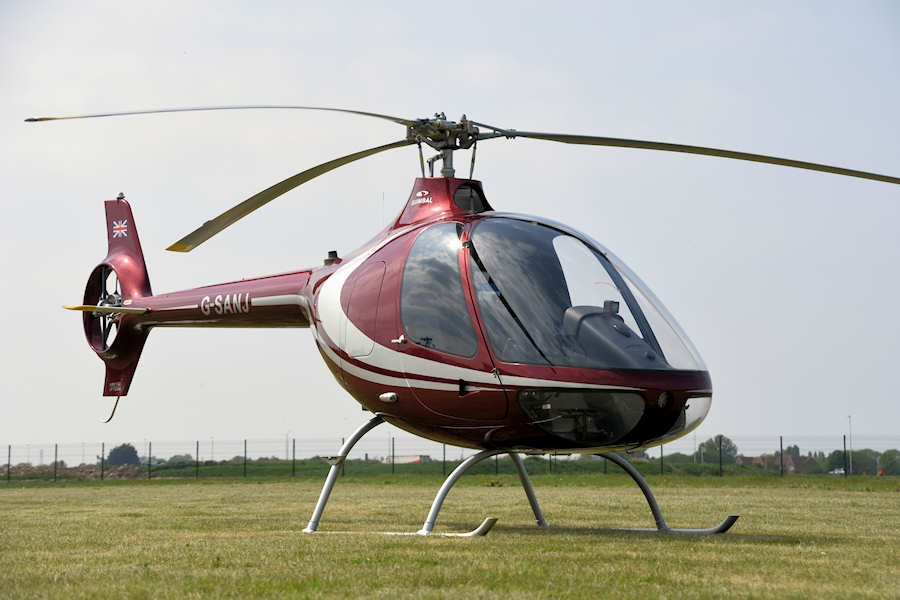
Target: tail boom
{"type": "Point", "coordinates": [274, 301]}
{"type": "Point", "coordinates": [131, 308]}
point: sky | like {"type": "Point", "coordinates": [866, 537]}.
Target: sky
{"type": "Point", "coordinates": [785, 280]}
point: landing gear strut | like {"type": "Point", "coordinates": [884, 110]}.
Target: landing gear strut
{"type": "Point", "coordinates": [336, 462]}
{"type": "Point", "coordinates": [488, 523]}
{"type": "Point", "coordinates": [428, 527]}
{"type": "Point", "coordinates": [661, 525]}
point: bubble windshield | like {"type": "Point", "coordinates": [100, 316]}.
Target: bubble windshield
{"type": "Point", "coordinates": [548, 297]}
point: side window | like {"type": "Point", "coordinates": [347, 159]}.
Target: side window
{"type": "Point", "coordinates": [363, 310]}
{"type": "Point", "coordinates": [432, 304]}
{"type": "Point", "coordinates": [467, 197]}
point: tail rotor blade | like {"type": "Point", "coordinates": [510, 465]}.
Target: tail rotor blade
{"type": "Point", "coordinates": [230, 216]}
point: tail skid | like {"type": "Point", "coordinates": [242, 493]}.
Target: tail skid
{"type": "Point", "coordinates": [113, 413]}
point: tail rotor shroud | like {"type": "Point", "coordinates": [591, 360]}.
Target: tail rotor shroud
{"type": "Point", "coordinates": [111, 288]}
{"type": "Point", "coordinates": [101, 327]}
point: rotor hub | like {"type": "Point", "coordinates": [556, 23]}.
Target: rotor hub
{"type": "Point", "coordinates": [443, 134]}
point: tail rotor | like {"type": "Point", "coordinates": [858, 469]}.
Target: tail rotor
{"type": "Point", "coordinates": [108, 295]}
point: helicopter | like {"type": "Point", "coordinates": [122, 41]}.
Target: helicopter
{"type": "Point", "coordinates": [495, 331]}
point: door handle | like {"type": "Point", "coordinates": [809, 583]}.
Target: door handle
{"type": "Point", "coordinates": [399, 340]}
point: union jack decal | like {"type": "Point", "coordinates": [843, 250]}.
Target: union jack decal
{"type": "Point", "coordinates": [120, 228]}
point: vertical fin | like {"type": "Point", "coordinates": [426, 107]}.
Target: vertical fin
{"type": "Point", "coordinates": [121, 366]}
{"type": "Point", "coordinates": [123, 242]}
{"type": "Point", "coordinates": [126, 258]}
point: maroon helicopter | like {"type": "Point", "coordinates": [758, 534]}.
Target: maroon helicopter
{"type": "Point", "coordinates": [496, 331]}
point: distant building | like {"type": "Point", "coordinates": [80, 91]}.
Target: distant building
{"type": "Point", "coordinates": [792, 464]}
{"type": "Point", "coordinates": [408, 459]}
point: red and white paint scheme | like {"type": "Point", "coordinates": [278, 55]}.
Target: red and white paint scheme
{"type": "Point", "coordinates": [474, 336]}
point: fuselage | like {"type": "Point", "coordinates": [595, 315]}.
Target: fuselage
{"type": "Point", "coordinates": [476, 328]}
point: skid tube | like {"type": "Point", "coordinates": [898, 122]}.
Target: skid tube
{"type": "Point", "coordinates": [661, 525]}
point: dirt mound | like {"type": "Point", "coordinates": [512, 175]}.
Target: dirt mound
{"type": "Point", "coordinates": [81, 472]}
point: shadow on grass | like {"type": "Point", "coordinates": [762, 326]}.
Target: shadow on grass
{"type": "Point", "coordinates": [627, 533]}
{"type": "Point", "coordinates": [609, 533]}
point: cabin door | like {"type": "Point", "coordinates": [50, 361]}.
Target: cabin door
{"type": "Point", "coordinates": [445, 358]}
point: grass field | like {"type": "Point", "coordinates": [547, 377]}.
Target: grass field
{"type": "Point", "coordinates": [797, 537]}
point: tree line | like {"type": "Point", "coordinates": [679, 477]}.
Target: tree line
{"type": "Point", "coordinates": [865, 461]}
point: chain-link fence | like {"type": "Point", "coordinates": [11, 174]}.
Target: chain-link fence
{"type": "Point", "coordinates": [406, 454]}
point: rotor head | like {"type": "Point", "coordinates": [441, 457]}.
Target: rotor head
{"type": "Point", "coordinates": [442, 134]}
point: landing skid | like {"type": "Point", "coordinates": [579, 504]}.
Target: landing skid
{"type": "Point", "coordinates": [661, 525]}
{"type": "Point", "coordinates": [481, 530]}
{"type": "Point", "coordinates": [488, 523]}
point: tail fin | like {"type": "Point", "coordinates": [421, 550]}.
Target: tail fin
{"type": "Point", "coordinates": [118, 281]}
{"type": "Point", "coordinates": [123, 241]}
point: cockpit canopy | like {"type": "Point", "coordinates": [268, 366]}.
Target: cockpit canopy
{"type": "Point", "coordinates": [545, 295]}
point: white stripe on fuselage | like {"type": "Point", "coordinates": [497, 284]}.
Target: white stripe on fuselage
{"type": "Point", "coordinates": [284, 299]}
{"type": "Point", "coordinates": [185, 307]}
{"type": "Point", "coordinates": [403, 382]}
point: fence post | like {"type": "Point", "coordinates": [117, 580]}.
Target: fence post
{"type": "Point", "coordinates": [102, 458]}
{"type": "Point", "coordinates": [343, 462]}
{"type": "Point", "coordinates": [8, 462]}
{"type": "Point", "coordinates": [444, 461]}
{"type": "Point", "coordinates": [55, 456]}
{"type": "Point", "coordinates": [294, 457]}
{"type": "Point", "coordinates": [197, 460]}
{"type": "Point", "coordinates": [149, 460]}
{"type": "Point", "coordinates": [393, 455]}
{"type": "Point", "coordinates": [781, 453]}
{"type": "Point", "coordinates": [496, 464]}
{"type": "Point", "coordinates": [720, 455]}
{"type": "Point", "coordinates": [245, 458]}
{"type": "Point", "coordinates": [549, 463]}
{"type": "Point", "coordinates": [845, 455]}
{"type": "Point", "coordinates": [660, 459]}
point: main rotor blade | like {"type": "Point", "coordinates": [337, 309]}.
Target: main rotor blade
{"type": "Point", "coordinates": [398, 120]}
{"type": "Point", "coordinates": [230, 216]}
{"type": "Point", "coordinates": [648, 145]}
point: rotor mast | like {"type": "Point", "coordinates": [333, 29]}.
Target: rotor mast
{"type": "Point", "coordinates": [447, 163]}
